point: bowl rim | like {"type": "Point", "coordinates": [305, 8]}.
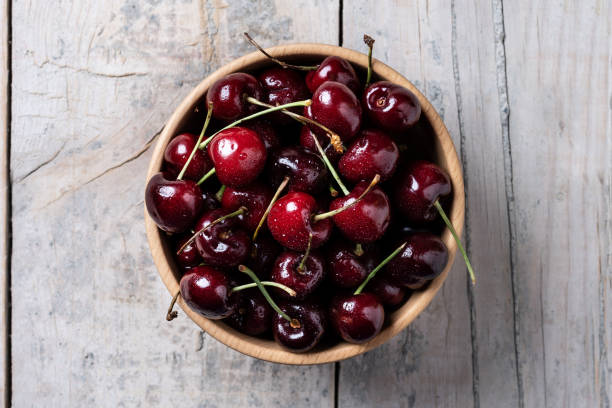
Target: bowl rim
{"type": "Point", "coordinates": [267, 349]}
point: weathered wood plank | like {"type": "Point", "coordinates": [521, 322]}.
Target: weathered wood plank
{"type": "Point", "coordinates": [430, 364]}
{"type": "Point", "coordinates": [4, 192]}
{"type": "Point", "coordinates": [560, 140]}
{"type": "Point", "coordinates": [93, 81]}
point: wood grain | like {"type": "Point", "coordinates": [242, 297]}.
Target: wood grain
{"type": "Point", "coordinates": [92, 83]}
{"type": "Point", "coordinates": [4, 202]}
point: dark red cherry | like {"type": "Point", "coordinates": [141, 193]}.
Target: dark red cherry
{"type": "Point", "coordinates": [336, 107]}
{"type": "Point", "coordinates": [416, 189]}
{"type": "Point", "coordinates": [282, 86]}
{"type": "Point", "coordinates": [305, 169]}
{"type": "Point", "coordinates": [367, 220]}
{"type": "Point", "coordinates": [306, 140]}
{"type": "Point", "coordinates": [173, 204]}
{"type": "Point", "coordinates": [391, 107]}
{"type": "Point", "coordinates": [207, 291]}
{"type": "Point", "coordinates": [265, 131]}
{"type": "Point", "coordinates": [210, 201]}
{"type": "Point", "coordinates": [290, 222]}
{"type": "Point", "coordinates": [228, 96]}
{"type": "Point", "coordinates": [347, 268]}
{"type": "Point", "coordinates": [423, 258]}
{"type": "Point", "coordinates": [312, 322]}
{"type": "Point", "coordinates": [372, 153]}
{"type": "Point", "coordinates": [239, 156]}
{"type": "Point", "coordinates": [387, 293]}
{"type": "Point", "coordinates": [357, 318]}
{"type": "Point", "coordinates": [177, 152]}
{"type": "Point", "coordinates": [255, 197]}
{"type": "Point", "coordinates": [224, 244]}
{"type": "Point", "coordinates": [333, 69]}
{"type": "Point", "coordinates": [305, 280]}
{"type": "Point", "coordinates": [263, 254]}
{"type": "Point", "coordinates": [189, 256]}
{"type": "Point", "coordinates": [253, 314]}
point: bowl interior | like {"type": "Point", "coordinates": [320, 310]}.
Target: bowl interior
{"type": "Point", "coordinates": [437, 146]}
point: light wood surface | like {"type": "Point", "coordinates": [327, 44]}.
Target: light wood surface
{"type": "Point", "coordinates": [524, 89]}
{"type": "Point", "coordinates": [4, 205]}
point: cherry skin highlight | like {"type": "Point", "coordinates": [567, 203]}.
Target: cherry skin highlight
{"type": "Point", "coordinates": [372, 153]}
{"type": "Point", "coordinates": [357, 318]}
{"type": "Point", "coordinates": [224, 244]}
{"type": "Point", "coordinates": [227, 96]}
{"type": "Point", "coordinates": [391, 107]}
{"type": "Point", "coordinates": [207, 291]}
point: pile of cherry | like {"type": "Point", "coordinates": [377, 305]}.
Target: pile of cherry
{"type": "Point", "coordinates": [301, 214]}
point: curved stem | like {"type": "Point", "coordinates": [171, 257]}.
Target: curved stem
{"type": "Point", "coordinates": [370, 43]}
{"type": "Point", "coordinates": [300, 267]}
{"type": "Point", "coordinates": [206, 176]}
{"type": "Point", "coordinates": [328, 214]}
{"type": "Point", "coordinates": [456, 237]}
{"type": "Point", "coordinates": [239, 211]}
{"type": "Point", "coordinates": [330, 166]}
{"type": "Point", "coordinates": [272, 201]}
{"type": "Point", "coordinates": [279, 62]}
{"type": "Point", "coordinates": [287, 289]}
{"type": "Point", "coordinates": [206, 122]}
{"type": "Point", "coordinates": [171, 315]}
{"type": "Point", "coordinates": [305, 102]}
{"type": "Point", "coordinates": [219, 194]}
{"type": "Point", "coordinates": [378, 268]}
{"type": "Point", "coordinates": [265, 293]}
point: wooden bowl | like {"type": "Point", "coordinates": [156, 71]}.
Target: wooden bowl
{"type": "Point", "coordinates": [444, 155]}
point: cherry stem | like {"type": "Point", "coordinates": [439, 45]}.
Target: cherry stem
{"type": "Point", "coordinates": [171, 315]}
{"type": "Point", "coordinates": [370, 43]}
{"type": "Point", "coordinates": [195, 148]}
{"type": "Point", "coordinates": [337, 211]}
{"type": "Point", "coordinates": [219, 194]}
{"type": "Point", "coordinates": [300, 267]}
{"type": "Point", "coordinates": [279, 62]}
{"type": "Point", "coordinates": [456, 237]}
{"type": "Point", "coordinates": [287, 289]}
{"type": "Point", "coordinates": [329, 166]}
{"type": "Point", "coordinates": [334, 138]}
{"type": "Point", "coordinates": [305, 102]}
{"type": "Point", "coordinates": [239, 211]}
{"type": "Point", "coordinates": [378, 268]}
{"type": "Point", "coordinates": [206, 176]}
{"type": "Point", "coordinates": [265, 293]}
{"type": "Point", "coordinates": [332, 191]}
{"type": "Point", "coordinates": [272, 201]}
{"type": "Point", "coordinates": [358, 249]}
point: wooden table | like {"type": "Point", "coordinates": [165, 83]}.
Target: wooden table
{"type": "Point", "coordinates": [524, 87]}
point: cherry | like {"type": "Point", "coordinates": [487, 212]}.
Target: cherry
{"type": "Point", "coordinates": [391, 107]}
{"type": "Point", "coordinates": [417, 188]}
{"type": "Point", "coordinates": [334, 69]}
{"type": "Point", "coordinates": [222, 243]}
{"type": "Point", "coordinates": [263, 254]}
{"type": "Point", "coordinates": [308, 331]}
{"type": "Point", "coordinates": [239, 156]}
{"type": "Point", "coordinates": [304, 168]}
{"type": "Point", "coordinates": [228, 96]}
{"type": "Point", "coordinates": [302, 276]}
{"type": "Point", "coordinates": [357, 318]}
{"type": "Point", "coordinates": [372, 153]}
{"type": "Point", "coordinates": [177, 152]}
{"type": "Point", "coordinates": [281, 86]}
{"type": "Point", "coordinates": [306, 140]}
{"type": "Point", "coordinates": [173, 204]}
{"type": "Point", "coordinates": [265, 131]}
{"type": "Point", "coordinates": [387, 293]}
{"type": "Point", "coordinates": [367, 220]}
{"type": "Point", "coordinates": [253, 315]}
{"type": "Point", "coordinates": [291, 222]}
{"type": "Point", "coordinates": [207, 291]}
{"type": "Point", "coordinates": [336, 107]}
{"type": "Point", "coordinates": [423, 258]}
{"type": "Point", "coordinates": [255, 197]}
{"type": "Point", "coordinates": [210, 201]}
{"type": "Point", "coordinates": [348, 267]}
{"type": "Point", "coordinates": [189, 256]}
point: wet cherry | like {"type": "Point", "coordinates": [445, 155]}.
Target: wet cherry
{"type": "Point", "coordinates": [228, 96]}
{"type": "Point", "coordinates": [391, 107]}
{"type": "Point", "coordinates": [357, 318]}
{"type": "Point", "coordinates": [255, 197]}
{"type": "Point", "coordinates": [223, 244]}
{"type": "Point", "coordinates": [207, 291]}
{"type": "Point", "coordinates": [334, 69]}
{"type": "Point", "coordinates": [312, 321]}
{"type": "Point", "coordinates": [372, 153]}
{"type": "Point", "coordinates": [305, 169]}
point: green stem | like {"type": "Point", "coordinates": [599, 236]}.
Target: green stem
{"type": "Point", "coordinates": [239, 211]}
{"type": "Point", "coordinates": [456, 237]}
{"type": "Point", "coordinates": [329, 166]}
{"type": "Point", "coordinates": [219, 194]}
{"type": "Point", "coordinates": [272, 201]}
{"type": "Point", "coordinates": [332, 191]}
{"type": "Point", "coordinates": [300, 267]}
{"type": "Point", "coordinates": [206, 122]}
{"type": "Point", "coordinates": [206, 176]}
{"type": "Point", "coordinates": [279, 62]}
{"type": "Point", "coordinates": [370, 43]}
{"type": "Point", "coordinates": [378, 268]}
{"type": "Point", "coordinates": [358, 249]}
{"type": "Point", "coordinates": [337, 211]}
{"type": "Point", "coordinates": [265, 293]}
{"type": "Point", "coordinates": [287, 289]}
{"type": "Point", "coordinates": [305, 102]}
